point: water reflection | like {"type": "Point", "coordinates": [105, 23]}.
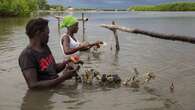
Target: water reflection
{"type": "Point", "coordinates": [9, 28]}
{"type": "Point", "coordinates": [69, 95]}
{"type": "Point", "coordinates": [37, 100]}
{"type": "Point", "coordinates": [42, 99]}
{"type": "Point", "coordinates": [9, 25]}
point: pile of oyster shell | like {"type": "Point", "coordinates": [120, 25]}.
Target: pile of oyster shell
{"type": "Point", "coordinates": [92, 76]}
{"type": "Point", "coordinates": [134, 80]}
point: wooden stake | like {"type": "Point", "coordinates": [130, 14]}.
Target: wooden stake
{"type": "Point", "coordinates": [116, 37]}
{"type": "Point", "coordinates": [83, 22]}
{"type": "Point", "coordinates": [59, 33]}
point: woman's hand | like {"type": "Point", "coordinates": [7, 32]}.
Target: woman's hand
{"type": "Point", "coordinates": [85, 46]}
{"type": "Point", "coordinates": [72, 66]}
{"type": "Point", "coordinates": [98, 42]}
{"type": "Point", "coordinates": [71, 70]}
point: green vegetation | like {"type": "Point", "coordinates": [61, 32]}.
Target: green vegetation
{"type": "Point", "coordinates": [17, 7]}
{"type": "Point", "coordinates": [56, 8]}
{"type": "Point", "coordinates": [25, 7]}
{"type": "Point", "coordinates": [21, 7]}
{"type": "Point", "coordinates": [42, 4]}
{"type": "Point", "coordinates": [178, 6]}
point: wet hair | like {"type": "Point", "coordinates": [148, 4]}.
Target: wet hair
{"type": "Point", "coordinates": [35, 25]}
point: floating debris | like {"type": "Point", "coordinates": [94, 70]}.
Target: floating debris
{"type": "Point", "coordinates": [171, 87]}
{"type": "Point", "coordinates": [136, 72]}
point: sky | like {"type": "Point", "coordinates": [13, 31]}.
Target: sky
{"type": "Point", "coordinates": [110, 3]}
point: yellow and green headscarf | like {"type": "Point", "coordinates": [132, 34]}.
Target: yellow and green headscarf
{"type": "Point", "coordinates": [68, 21]}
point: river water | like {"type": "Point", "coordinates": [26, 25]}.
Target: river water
{"type": "Point", "coordinates": [171, 61]}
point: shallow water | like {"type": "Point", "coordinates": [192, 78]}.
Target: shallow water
{"type": "Point", "coordinates": [170, 61]}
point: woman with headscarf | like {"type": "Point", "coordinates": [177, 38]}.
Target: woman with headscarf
{"type": "Point", "coordinates": [69, 43]}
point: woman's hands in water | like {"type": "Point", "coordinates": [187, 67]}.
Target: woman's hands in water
{"type": "Point", "coordinates": [71, 70]}
{"type": "Point", "coordinates": [87, 45]}
{"type": "Point", "coordinates": [72, 66]}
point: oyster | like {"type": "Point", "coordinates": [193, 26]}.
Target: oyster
{"type": "Point", "coordinates": [137, 80]}
{"type": "Point", "coordinates": [88, 77]}
{"type": "Point", "coordinates": [92, 75]}
{"type": "Point", "coordinates": [149, 76]}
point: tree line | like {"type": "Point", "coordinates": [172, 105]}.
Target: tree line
{"type": "Point", "coordinates": [178, 6]}
{"type": "Point", "coordinates": [24, 7]}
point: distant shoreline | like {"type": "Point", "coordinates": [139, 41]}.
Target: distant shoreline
{"type": "Point", "coordinates": [177, 6]}
{"type": "Point", "coordinates": [25, 10]}
{"type": "Point", "coordinates": [83, 11]}
{"type": "Point", "coordinates": [79, 11]}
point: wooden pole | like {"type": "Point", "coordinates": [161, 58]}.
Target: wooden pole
{"type": "Point", "coordinates": [59, 33]}
{"type": "Point", "coordinates": [116, 37]}
{"type": "Point", "coordinates": [188, 39]}
{"type": "Point", "coordinates": [83, 22]}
